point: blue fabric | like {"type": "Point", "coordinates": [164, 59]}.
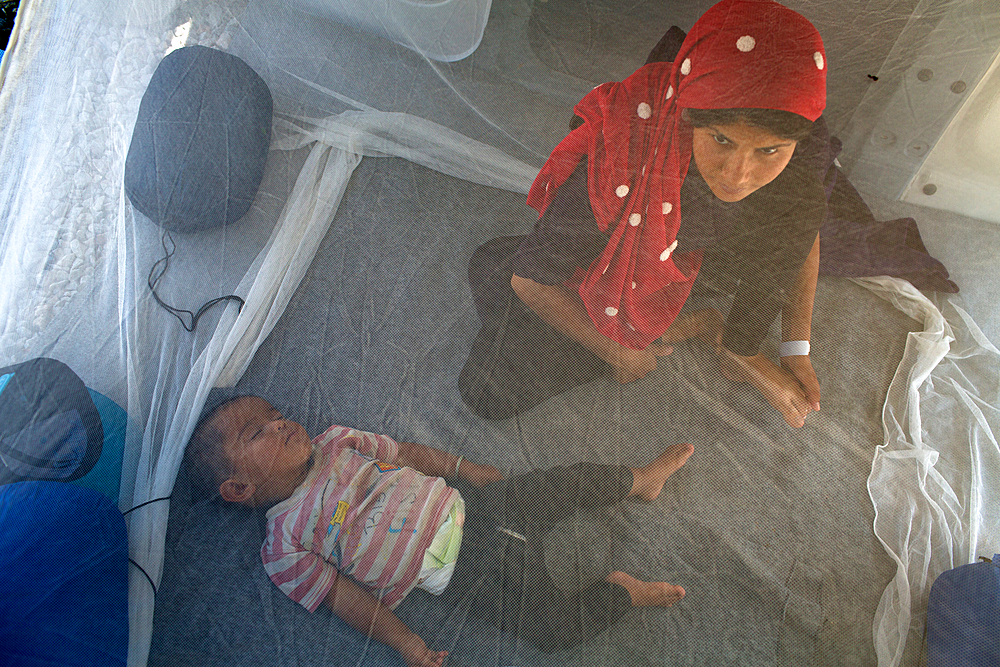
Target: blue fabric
{"type": "Point", "coordinates": [963, 617]}
{"type": "Point", "coordinates": [106, 475]}
{"type": "Point", "coordinates": [49, 425]}
{"type": "Point", "coordinates": [46, 413]}
{"type": "Point", "coordinates": [200, 141]}
{"type": "Point", "coordinates": [64, 583]}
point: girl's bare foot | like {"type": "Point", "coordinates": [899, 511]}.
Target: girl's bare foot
{"type": "Point", "coordinates": [781, 389]}
{"type": "Point", "coordinates": [647, 593]}
{"type": "Point", "coordinates": [647, 482]}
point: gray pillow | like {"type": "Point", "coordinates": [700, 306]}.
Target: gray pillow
{"type": "Point", "coordinates": [200, 141]}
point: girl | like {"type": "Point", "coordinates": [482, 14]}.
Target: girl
{"type": "Point", "coordinates": [708, 167]}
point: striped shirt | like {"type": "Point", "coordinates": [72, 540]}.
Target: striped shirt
{"type": "Point", "coordinates": [355, 514]}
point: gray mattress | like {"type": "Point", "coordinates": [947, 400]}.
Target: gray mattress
{"type": "Point", "coordinates": [769, 529]}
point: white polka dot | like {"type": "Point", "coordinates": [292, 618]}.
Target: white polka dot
{"type": "Point", "coordinates": [604, 271]}
{"type": "Point", "coordinates": [633, 285]}
{"type": "Point", "coordinates": [644, 111]}
{"type": "Point", "coordinates": [621, 190]}
{"type": "Point", "coordinates": [610, 311]}
{"type": "Point", "coordinates": [746, 43]}
{"type": "Point", "coordinates": [634, 219]}
{"type": "Point", "coordinates": [630, 326]}
{"type": "Point", "coordinates": [686, 67]}
{"type": "Point", "coordinates": [665, 255]}
{"type": "Point", "coordinates": [818, 58]}
{"type": "Point", "coordinates": [643, 170]}
{"type": "Point", "coordinates": [670, 92]}
{"type": "Point", "coordinates": [667, 207]}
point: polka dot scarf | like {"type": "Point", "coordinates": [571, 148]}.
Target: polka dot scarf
{"type": "Point", "coordinates": [740, 54]}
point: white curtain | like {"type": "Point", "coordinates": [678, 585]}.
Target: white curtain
{"type": "Point", "coordinates": [74, 257]}
{"type": "Point", "coordinates": [935, 483]}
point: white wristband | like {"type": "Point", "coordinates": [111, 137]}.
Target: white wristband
{"type": "Point", "coordinates": [793, 348]}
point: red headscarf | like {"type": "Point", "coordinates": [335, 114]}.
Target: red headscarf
{"type": "Point", "coordinates": [740, 54]}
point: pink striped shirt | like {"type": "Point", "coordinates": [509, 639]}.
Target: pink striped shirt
{"type": "Point", "coordinates": [355, 514]}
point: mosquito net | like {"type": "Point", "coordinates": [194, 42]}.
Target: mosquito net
{"type": "Point", "coordinates": [406, 134]}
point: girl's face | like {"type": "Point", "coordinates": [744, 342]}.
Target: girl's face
{"type": "Point", "coordinates": [738, 159]}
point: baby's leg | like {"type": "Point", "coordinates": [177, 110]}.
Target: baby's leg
{"type": "Point", "coordinates": [555, 620]}
{"type": "Point", "coordinates": [536, 500]}
{"type": "Point", "coordinates": [648, 481]}
{"type": "Point", "coordinates": [647, 593]}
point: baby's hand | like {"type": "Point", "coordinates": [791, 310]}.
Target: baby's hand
{"type": "Point", "coordinates": [416, 654]}
{"type": "Point", "coordinates": [478, 474]}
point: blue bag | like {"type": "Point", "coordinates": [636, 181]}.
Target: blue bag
{"type": "Point", "coordinates": [200, 141]}
{"type": "Point", "coordinates": [54, 428]}
{"type": "Point", "coordinates": [50, 428]}
{"type": "Point", "coordinates": [64, 589]}
{"type": "Point", "coordinates": [963, 616]}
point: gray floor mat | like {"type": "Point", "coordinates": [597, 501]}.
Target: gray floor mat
{"type": "Point", "coordinates": [768, 528]}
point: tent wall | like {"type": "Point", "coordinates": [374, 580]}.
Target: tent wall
{"type": "Point", "coordinates": [74, 256]}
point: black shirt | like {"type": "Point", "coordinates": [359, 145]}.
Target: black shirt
{"type": "Point", "coordinates": [754, 248]}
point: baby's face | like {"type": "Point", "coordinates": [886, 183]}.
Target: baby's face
{"type": "Point", "coordinates": [270, 452]}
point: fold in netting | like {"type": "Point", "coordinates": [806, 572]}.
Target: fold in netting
{"type": "Point", "coordinates": [940, 454]}
{"type": "Point", "coordinates": [74, 258]}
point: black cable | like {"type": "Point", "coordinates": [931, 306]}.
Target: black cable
{"type": "Point", "coordinates": [178, 312]}
{"type": "Point", "coordinates": [145, 574]}
{"type": "Point", "coordinates": [154, 500]}
{"type": "Point", "coordinates": [148, 578]}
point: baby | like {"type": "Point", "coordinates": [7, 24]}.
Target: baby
{"type": "Point", "coordinates": [378, 511]}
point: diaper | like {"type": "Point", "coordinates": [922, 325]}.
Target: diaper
{"type": "Point", "coordinates": [440, 556]}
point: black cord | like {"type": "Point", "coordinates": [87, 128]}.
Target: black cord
{"type": "Point", "coordinates": [154, 500]}
{"type": "Point", "coordinates": [145, 574]}
{"type": "Point", "coordinates": [178, 312]}
{"type": "Point", "coordinates": [148, 578]}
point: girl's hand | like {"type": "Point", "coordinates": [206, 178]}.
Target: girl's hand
{"type": "Point", "coordinates": [782, 389]}
{"type": "Point", "coordinates": [706, 324]}
{"type": "Point", "coordinates": [477, 473]}
{"type": "Point", "coordinates": [416, 654]}
{"type": "Point", "coordinates": [801, 368]}
{"type": "Point", "coordinates": [633, 365]}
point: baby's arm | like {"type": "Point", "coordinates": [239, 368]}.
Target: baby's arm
{"type": "Point", "coordinates": [437, 463]}
{"type": "Point", "coordinates": [360, 610]}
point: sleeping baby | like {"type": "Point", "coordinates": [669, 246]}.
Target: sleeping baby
{"type": "Point", "coordinates": [358, 520]}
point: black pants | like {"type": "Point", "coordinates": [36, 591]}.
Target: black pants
{"type": "Point", "coordinates": [517, 360]}
{"type": "Point", "coordinates": [503, 577]}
